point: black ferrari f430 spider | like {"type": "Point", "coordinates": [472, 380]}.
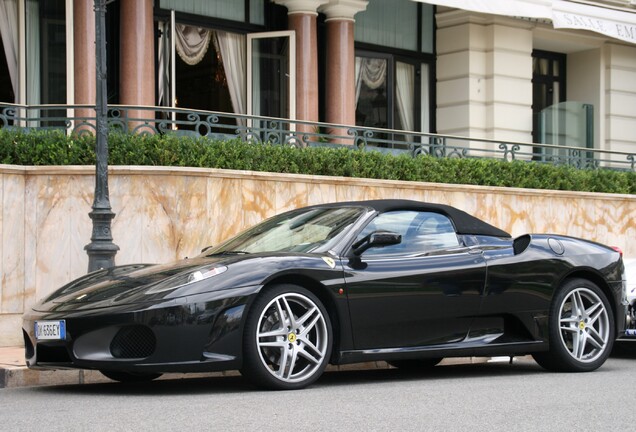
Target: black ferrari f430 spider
{"type": "Point", "coordinates": [401, 281]}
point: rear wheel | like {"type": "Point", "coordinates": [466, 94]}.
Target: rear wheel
{"type": "Point", "coordinates": [287, 341]}
{"type": "Point", "coordinates": [581, 329]}
{"type": "Point", "coordinates": [130, 377]}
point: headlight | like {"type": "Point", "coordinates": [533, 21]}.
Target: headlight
{"type": "Point", "coordinates": [184, 279]}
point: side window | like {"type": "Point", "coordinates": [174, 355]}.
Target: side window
{"type": "Point", "coordinates": [421, 232]}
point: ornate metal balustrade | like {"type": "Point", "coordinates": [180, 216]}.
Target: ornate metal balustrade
{"type": "Point", "coordinates": [80, 119]}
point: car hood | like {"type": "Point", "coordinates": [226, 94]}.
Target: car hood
{"type": "Point", "coordinates": [148, 283]}
{"type": "Point", "coordinates": [127, 284]}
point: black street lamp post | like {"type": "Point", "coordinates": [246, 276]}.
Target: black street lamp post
{"type": "Point", "coordinates": [101, 250]}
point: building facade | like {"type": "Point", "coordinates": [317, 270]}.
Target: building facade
{"type": "Point", "coordinates": [541, 71]}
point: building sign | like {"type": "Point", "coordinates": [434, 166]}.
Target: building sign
{"type": "Point", "coordinates": [616, 24]}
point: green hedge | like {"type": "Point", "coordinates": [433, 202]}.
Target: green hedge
{"type": "Point", "coordinates": [54, 148]}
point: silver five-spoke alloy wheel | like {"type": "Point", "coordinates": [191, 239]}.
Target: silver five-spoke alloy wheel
{"type": "Point", "coordinates": [292, 337]}
{"type": "Point", "coordinates": [584, 325]}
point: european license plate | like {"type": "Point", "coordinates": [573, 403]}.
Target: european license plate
{"type": "Point", "coordinates": [50, 330]}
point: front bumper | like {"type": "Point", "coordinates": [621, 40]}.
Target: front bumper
{"type": "Point", "coordinates": [189, 334]}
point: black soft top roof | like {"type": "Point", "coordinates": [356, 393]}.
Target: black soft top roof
{"type": "Point", "coordinates": [464, 223]}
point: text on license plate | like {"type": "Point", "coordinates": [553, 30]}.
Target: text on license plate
{"type": "Point", "coordinates": [50, 330]}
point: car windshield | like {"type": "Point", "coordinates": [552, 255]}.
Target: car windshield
{"type": "Point", "coordinates": [303, 230]}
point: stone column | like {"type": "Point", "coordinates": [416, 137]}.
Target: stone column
{"type": "Point", "coordinates": [340, 78]}
{"type": "Point", "coordinates": [484, 76]}
{"type": "Point", "coordinates": [84, 55]}
{"type": "Point", "coordinates": [137, 59]}
{"type": "Point", "coordinates": [302, 19]}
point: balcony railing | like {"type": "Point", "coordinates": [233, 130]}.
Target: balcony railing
{"type": "Point", "coordinates": [80, 119]}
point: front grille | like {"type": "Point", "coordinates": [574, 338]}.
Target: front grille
{"type": "Point", "coordinates": [133, 342]}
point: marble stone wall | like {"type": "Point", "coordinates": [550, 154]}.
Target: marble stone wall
{"type": "Point", "coordinates": [164, 214]}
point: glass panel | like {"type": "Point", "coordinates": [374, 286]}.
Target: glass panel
{"type": "Point", "coordinates": [257, 12]}
{"type": "Point", "coordinates": [270, 76]}
{"type": "Point", "coordinates": [53, 46]}
{"type": "Point", "coordinates": [428, 28]}
{"type": "Point", "coordinates": [391, 23]}
{"type": "Point", "coordinates": [567, 124]}
{"type": "Point", "coordinates": [33, 52]}
{"type": "Point", "coordinates": [372, 105]}
{"type": "Point", "coordinates": [226, 9]}
{"type": "Point", "coordinates": [421, 232]}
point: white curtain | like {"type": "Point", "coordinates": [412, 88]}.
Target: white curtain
{"type": "Point", "coordinates": [404, 94]}
{"type": "Point", "coordinates": [9, 34]}
{"type": "Point", "coordinates": [371, 71]}
{"type": "Point", "coordinates": [192, 43]}
{"type": "Point", "coordinates": [233, 51]}
{"type": "Point", "coordinates": [163, 55]}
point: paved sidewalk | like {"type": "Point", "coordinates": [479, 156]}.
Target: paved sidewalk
{"type": "Point", "coordinates": [14, 372]}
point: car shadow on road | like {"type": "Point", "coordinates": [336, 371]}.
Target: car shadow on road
{"type": "Point", "coordinates": [237, 384]}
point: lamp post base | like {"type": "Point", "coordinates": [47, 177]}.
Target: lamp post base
{"type": "Point", "coordinates": [101, 250]}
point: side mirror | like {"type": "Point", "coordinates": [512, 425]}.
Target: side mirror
{"type": "Point", "coordinates": [376, 239]}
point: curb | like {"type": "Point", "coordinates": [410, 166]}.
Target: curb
{"type": "Point", "coordinates": [15, 376]}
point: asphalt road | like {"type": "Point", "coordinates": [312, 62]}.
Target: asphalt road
{"type": "Point", "coordinates": [474, 397]}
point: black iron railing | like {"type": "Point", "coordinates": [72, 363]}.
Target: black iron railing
{"type": "Point", "coordinates": [80, 119]}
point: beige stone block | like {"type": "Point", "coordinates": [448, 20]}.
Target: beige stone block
{"type": "Point", "coordinates": [129, 203]}
{"type": "Point", "coordinates": [259, 201]}
{"type": "Point", "coordinates": [11, 330]}
{"type": "Point", "coordinates": [510, 64]}
{"type": "Point", "coordinates": [224, 206]}
{"type": "Point", "coordinates": [620, 80]}
{"type": "Point", "coordinates": [621, 129]}
{"type": "Point", "coordinates": [457, 91]}
{"type": "Point", "coordinates": [12, 249]}
{"type": "Point", "coordinates": [455, 65]}
{"type": "Point", "coordinates": [512, 38]}
{"type": "Point", "coordinates": [621, 56]}
{"type": "Point", "coordinates": [512, 117]}
{"type": "Point", "coordinates": [621, 104]}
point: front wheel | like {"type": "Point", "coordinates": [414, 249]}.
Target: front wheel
{"type": "Point", "coordinates": [581, 329]}
{"type": "Point", "coordinates": [287, 341]}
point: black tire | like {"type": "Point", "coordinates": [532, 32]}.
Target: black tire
{"type": "Point", "coordinates": [130, 377]}
{"type": "Point", "coordinates": [581, 329]}
{"type": "Point", "coordinates": [415, 364]}
{"type": "Point", "coordinates": [303, 348]}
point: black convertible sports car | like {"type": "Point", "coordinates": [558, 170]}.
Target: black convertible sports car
{"type": "Point", "coordinates": [395, 280]}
